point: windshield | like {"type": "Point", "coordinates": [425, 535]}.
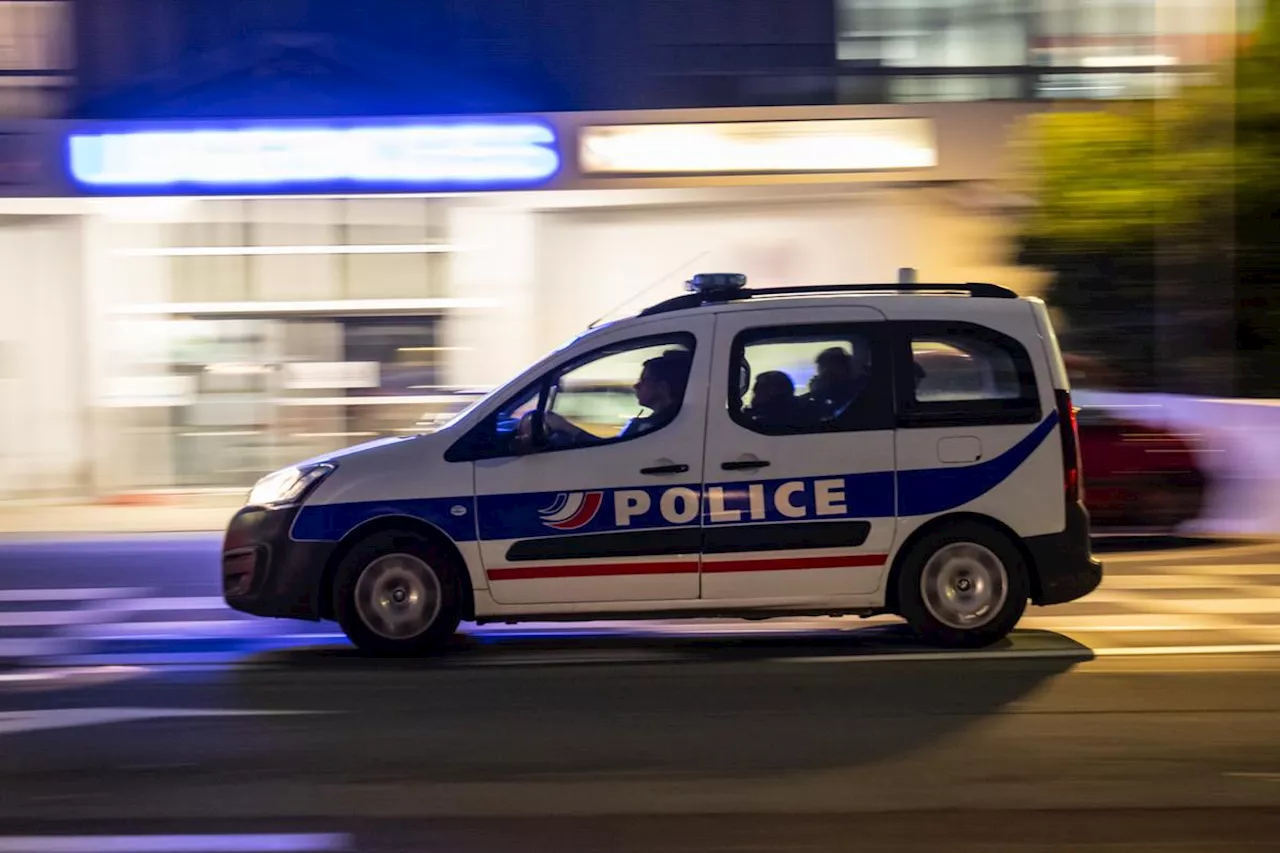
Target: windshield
{"type": "Point", "coordinates": [471, 407]}
{"type": "Point", "coordinates": [514, 381]}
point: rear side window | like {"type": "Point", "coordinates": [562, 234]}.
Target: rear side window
{"type": "Point", "coordinates": [821, 378]}
{"type": "Point", "coordinates": [961, 374]}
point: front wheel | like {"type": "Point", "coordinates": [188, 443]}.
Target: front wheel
{"type": "Point", "coordinates": [963, 586]}
{"type": "Point", "coordinates": [398, 594]}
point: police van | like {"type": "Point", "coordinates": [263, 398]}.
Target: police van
{"type": "Point", "coordinates": [826, 450]}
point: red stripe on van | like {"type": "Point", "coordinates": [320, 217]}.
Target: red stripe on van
{"type": "Point", "coordinates": [596, 570]}
{"type": "Point", "coordinates": [686, 567]}
{"type": "Point", "coordinates": [793, 564]}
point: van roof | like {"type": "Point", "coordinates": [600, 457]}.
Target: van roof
{"type": "Point", "coordinates": [690, 301]}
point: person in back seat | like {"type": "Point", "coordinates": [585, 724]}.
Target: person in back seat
{"type": "Point", "coordinates": [774, 402]}
{"type": "Point", "coordinates": [839, 382]}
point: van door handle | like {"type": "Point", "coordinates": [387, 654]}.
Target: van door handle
{"type": "Point", "coordinates": [665, 469]}
{"type": "Point", "coordinates": [744, 465]}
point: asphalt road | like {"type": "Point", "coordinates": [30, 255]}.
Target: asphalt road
{"type": "Point", "coordinates": [1143, 717]}
{"type": "Point", "coordinates": [1174, 752]}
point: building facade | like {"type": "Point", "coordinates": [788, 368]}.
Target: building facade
{"type": "Point", "coordinates": [237, 233]}
{"type": "Point", "coordinates": [234, 58]}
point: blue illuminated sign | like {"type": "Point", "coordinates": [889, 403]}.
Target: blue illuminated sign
{"type": "Point", "coordinates": [462, 155]}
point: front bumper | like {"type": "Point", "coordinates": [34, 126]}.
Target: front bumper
{"type": "Point", "coordinates": [267, 573]}
{"type": "Point", "coordinates": [1063, 563]}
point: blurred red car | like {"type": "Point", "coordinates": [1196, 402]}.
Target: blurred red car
{"type": "Point", "coordinates": [1136, 475]}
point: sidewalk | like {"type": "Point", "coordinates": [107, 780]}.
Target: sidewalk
{"type": "Point", "coordinates": [187, 514]}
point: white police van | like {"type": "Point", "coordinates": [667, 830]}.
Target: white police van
{"type": "Point", "coordinates": [908, 449]}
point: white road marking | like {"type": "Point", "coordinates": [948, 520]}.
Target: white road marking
{"type": "Point", "coordinates": [1157, 556]}
{"type": "Point", "coordinates": [1258, 632]}
{"type": "Point", "coordinates": [162, 603]}
{"type": "Point", "coordinates": [193, 629]}
{"type": "Point", "coordinates": [1130, 628]}
{"type": "Point", "coordinates": [1110, 595]}
{"type": "Point", "coordinates": [46, 618]}
{"type": "Point", "coordinates": [1245, 568]}
{"type": "Point", "coordinates": [17, 648]}
{"type": "Point", "coordinates": [1179, 651]}
{"type": "Point", "coordinates": [1015, 654]}
{"type": "Point", "coordinates": [70, 594]}
{"type": "Point", "coordinates": [1157, 582]}
{"type": "Point", "coordinates": [259, 843]}
{"type": "Point", "coordinates": [916, 657]}
{"type": "Point", "coordinates": [1264, 777]}
{"type": "Point", "coordinates": [15, 722]}
{"type": "Point", "coordinates": [1217, 606]}
{"type": "Point", "coordinates": [1050, 621]}
{"type": "Point", "coordinates": [43, 675]}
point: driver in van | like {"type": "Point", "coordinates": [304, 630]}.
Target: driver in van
{"type": "Point", "coordinates": [660, 389]}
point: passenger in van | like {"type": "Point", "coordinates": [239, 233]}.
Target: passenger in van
{"type": "Point", "coordinates": [774, 402]}
{"type": "Point", "coordinates": [840, 380]}
{"type": "Point", "coordinates": [660, 389]}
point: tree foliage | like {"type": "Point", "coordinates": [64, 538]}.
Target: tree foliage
{"type": "Point", "coordinates": [1159, 223]}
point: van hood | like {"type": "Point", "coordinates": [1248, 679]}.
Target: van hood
{"type": "Point", "coordinates": [356, 449]}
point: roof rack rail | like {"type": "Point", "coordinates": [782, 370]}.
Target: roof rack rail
{"type": "Point", "coordinates": [976, 289]}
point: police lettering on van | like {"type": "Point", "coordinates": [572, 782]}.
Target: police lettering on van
{"type": "Point", "coordinates": [916, 454]}
{"type": "Point", "coordinates": [795, 499]}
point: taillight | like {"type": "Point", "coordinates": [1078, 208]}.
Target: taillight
{"type": "Point", "coordinates": [1069, 429]}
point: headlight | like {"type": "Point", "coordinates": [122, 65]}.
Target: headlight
{"type": "Point", "coordinates": [287, 486]}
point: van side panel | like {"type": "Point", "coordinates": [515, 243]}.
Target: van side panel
{"type": "Point", "coordinates": [1014, 471]}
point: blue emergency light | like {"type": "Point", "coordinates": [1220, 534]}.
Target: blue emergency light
{"type": "Point", "coordinates": [716, 282]}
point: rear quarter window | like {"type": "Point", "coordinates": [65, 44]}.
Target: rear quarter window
{"type": "Point", "coordinates": [963, 374]}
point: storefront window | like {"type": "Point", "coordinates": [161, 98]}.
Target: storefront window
{"type": "Point", "coordinates": [246, 334]}
{"type": "Point", "coordinates": [1102, 48]}
{"type": "Point", "coordinates": [35, 35]}
{"type": "Point", "coordinates": [35, 57]}
{"type": "Point", "coordinates": [303, 249]}
{"type": "Point", "coordinates": [934, 33]}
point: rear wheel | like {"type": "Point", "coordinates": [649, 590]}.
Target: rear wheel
{"type": "Point", "coordinates": [398, 593]}
{"type": "Point", "coordinates": [963, 586]}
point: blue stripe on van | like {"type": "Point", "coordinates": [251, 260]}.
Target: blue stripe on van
{"type": "Point", "coordinates": [930, 491]}
{"type": "Point", "coordinates": [867, 495]}
{"type": "Point", "coordinates": [331, 522]}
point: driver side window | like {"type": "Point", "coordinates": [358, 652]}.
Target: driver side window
{"type": "Point", "coordinates": [602, 397]}
{"type": "Point", "coordinates": [612, 394]}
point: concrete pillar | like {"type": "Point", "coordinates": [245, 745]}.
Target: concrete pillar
{"type": "Point", "coordinates": [495, 262]}
{"type": "Point", "coordinates": [126, 357]}
{"type": "Point", "coordinates": [42, 435]}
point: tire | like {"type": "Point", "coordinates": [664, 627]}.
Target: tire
{"type": "Point", "coordinates": [931, 594]}
{"type": "Point", "coordinates": [398, 594]}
